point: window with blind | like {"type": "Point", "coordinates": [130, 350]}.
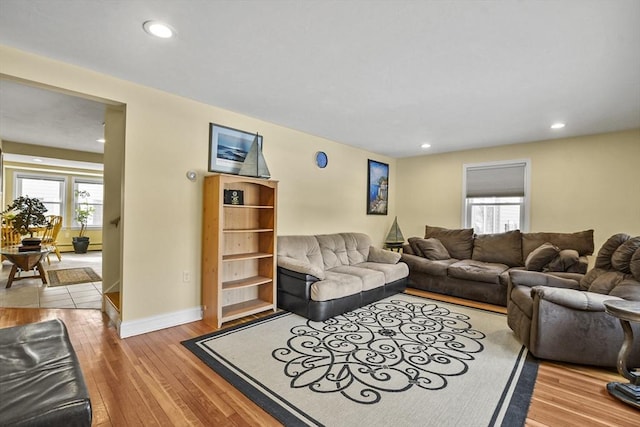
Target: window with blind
{"type": "Point", "coordinates": [49, 189]}
{"type": "Point", "coordinates": [94, 198]}
{"type": "Point", "coordinates": [496, 196]}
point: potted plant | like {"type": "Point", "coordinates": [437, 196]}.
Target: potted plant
{"type": "Point", "coordinates": [83, 212]}
{"type": "Point", "coordinates": [26, 214]}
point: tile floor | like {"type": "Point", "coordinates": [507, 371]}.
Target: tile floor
{"type": "Point", "coordinates": [31, 293]}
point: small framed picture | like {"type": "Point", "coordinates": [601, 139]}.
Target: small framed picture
{"type": "Point", "coordinates": [228, 148]}
{"type": "Point", "coordinates": [377, 188]}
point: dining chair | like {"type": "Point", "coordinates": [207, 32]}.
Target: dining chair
{"type": "Point", "coordinates": [10, 237]}
{"type": "Point", "coordinates": [50, 235]}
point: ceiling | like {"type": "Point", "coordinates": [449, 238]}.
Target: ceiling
{"type": "Point", "coordinates": [33, 115]}
{"type": "Point", "coordinates": [386, 76]}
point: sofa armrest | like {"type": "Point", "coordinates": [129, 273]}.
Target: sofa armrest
{"type": "Point", "coordinates": [535, 278]}
{"type": "Point", "coordinates": [302, 267]}
{"type": "Point", "coordinates": [571, 298]}
{"type": "Point", "coordinates": [383, 256]}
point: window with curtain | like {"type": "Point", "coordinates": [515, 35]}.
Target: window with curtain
{"type": "Point", "coordinates": [49, 189]}
{"type": "Point", "coordinates": [94, 189]}
{"type": "Point", "coordinates": [495, 198]}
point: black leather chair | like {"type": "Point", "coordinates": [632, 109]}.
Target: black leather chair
{"type": "Point", "coordinates": [41, 383]}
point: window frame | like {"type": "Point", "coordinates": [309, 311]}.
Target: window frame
{"type": "Point", "coordinates": [18, 176]}
{"type": "Point", "coordinates": [74, 181]}
{"type": "Point", "coordinates": [526, 200]}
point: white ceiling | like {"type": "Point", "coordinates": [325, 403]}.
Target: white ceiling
{"type": "Point", "coordinates": [386, 76]}
{"type": "Point", "coordinates": [32, 115]}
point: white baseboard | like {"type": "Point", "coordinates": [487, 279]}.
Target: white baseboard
{"type": "Point", "coordinates": [161, 321]}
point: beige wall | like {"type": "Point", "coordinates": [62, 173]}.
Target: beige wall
{"type": "Point", "coordinates": [576, 184]}
{"type": "Point", "coordinates": [167, 135]}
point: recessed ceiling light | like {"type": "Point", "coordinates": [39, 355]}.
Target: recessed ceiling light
{"type": "Point", "coordinates": [102, 140]}
{"type": "Point", "coordinates": [158, 29]}
{"type": "Point", "coordinates": [425, 145]}
{"type": "Point", "coordinates": [557, 125]}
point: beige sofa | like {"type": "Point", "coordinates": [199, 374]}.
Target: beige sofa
{"type": "Point", "coordinates": [459, 263]}
{"type": "Point", "coordinates": [325, 275]}
{"type": "Point", "coordinates": [563, 318]}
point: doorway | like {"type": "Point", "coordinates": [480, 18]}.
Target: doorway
{"type": "Point", "coordinates": [49, 131]}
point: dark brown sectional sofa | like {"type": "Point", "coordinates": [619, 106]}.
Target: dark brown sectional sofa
{"type": "Point", "coordinates": [459, 263]}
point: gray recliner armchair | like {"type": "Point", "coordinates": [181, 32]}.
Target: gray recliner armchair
{"type": "Point", "coordinates": [561, 316]}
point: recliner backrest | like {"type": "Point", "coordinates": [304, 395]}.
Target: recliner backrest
{"type": "Point", "coordinates": [617, 268]}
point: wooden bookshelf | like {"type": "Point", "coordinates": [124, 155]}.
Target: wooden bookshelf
{"type": "Point", "coordinates": [238, 249]}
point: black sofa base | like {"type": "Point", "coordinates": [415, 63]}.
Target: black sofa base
{"type": "Point", "coordinates": [294, 295]}
{"type": "Point", "coordinates": [41, 383]}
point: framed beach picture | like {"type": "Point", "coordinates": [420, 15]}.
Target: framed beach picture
{"type": "Point", "coordinates": [228, 148]}
{"type": "Point", "coordinates": [377, 188]}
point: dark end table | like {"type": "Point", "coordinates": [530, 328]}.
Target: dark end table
{"type": "Point", "coordinates": [25, 261]}
{"type": "Point", "coordinates": [626, 311]}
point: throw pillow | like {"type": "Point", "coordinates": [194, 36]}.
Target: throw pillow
{"type": "Point", "coordinates": [413, 244]}
{"type": "Point", "coordinates": [565, 259]}
{"type": "Point", "coordinates": [541, 256]}
{"type": "Point", "coordinates": [459, 242]}
{"type": "Point", "coordinates": [581, 241]}
{"type": "Point", "coordinates": [432, 249]}
{"type": "Point", "coordinates": [383, 256]}
{"type": "Point", "coordinates": [502, 248]}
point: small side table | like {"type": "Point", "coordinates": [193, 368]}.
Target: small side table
{"type": "Point", "coordinates": [25, 261]}
{"type": "Point", "coordinates": [394, 246]}
{"type": "Point", "coordinates": [626, 311]}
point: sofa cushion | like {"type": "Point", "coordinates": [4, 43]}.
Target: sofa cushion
{"type": "Point", "coordinates": [621, 258]}
{"type": "Point", "coordinates": [357, 246]}
{"type": "Point", "coordinates": [432, 248]}
{"type": "Point", "coordinates": [333, 250]}
{"type": "Point", "coordinates": [603, 260]}
{"type": "Point", "coordinates": [581, 241]}
{"type": "Point", "coordinates": [302, 248]}
{"type": "Point", "coordinates": [477, 271]}
{"type": "Point", "coordinates": [541, 256]}
{"type": "Point", "coordinates": [459, 242]}
{"type": "Point", "coordinates": [566, 259]}
{"type": "Point", "coordinates": [605, 282]}
{"type": "Point", "coordinates": [370, 278]}
{"type": "Point", "coordinates": [634, 265]}
{"type": "Point", "coordinates": [336, 285]}
{"type": "Point", "coordinates": [426, 266]}
{"type": "Point", "coordinates": [502, 248]}
{"type": "Point", "coordinates": [392, 272]}
{"type": "Point", "coordinates": [628, 289]}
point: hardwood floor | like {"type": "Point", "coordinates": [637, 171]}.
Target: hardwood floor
{"type": "Point", "coordinates": [152, 380]}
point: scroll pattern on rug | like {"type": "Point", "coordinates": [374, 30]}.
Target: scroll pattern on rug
{"type": "Point", "coordinates": [386, 347]}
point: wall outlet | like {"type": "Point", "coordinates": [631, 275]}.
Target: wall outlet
{"type": "Point", "coordinates": [186, 276]}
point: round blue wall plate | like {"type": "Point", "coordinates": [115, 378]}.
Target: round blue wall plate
{"type": "Point", "coordinates": [321, 159]}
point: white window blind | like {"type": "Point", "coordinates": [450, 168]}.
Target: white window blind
{"type": "Point", "coordinates": [505, 180]}
{"type": "Point", "coordinates": [495, 196]}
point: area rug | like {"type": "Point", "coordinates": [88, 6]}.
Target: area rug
{"type": "Point", "coordinates": [72, 276]}
{"type": "Point", "coordinates": [404, 360]}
